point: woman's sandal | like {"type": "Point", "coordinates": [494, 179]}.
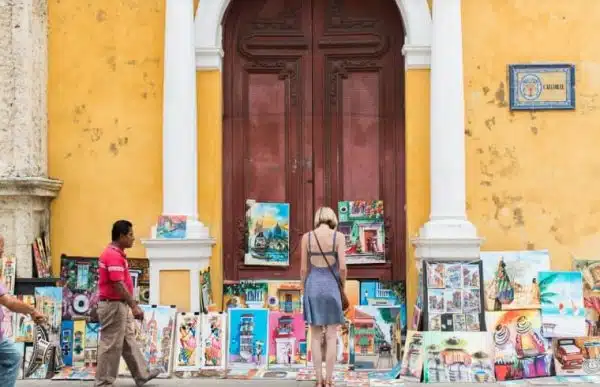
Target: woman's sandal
{"type": "Point", "coordinates": [319, 383]}
{"type": "Point", "coordinates": [328, 383]}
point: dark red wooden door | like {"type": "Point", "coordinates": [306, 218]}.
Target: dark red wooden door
{"type": "Point", "coordinates": [313, 114]}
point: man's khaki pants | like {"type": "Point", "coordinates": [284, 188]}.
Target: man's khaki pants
{"type": "Point", "coordinates": [117, 338]}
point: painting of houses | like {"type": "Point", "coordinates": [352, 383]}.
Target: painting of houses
{"type": "Point", "coordinates": [374, 336]}
{"type": "Point", "coordinates": [245, 294]}
{"type": "Point", "coordinates": [362, 223]}
{"type": "Point", "coordinates": [248, 337]}
{"type": "Point", "coordinates": [284, 296]}
{"type": "Point", "coordinates": [268, 234]}
{"type": "Point", "coordinates": [286, 335]}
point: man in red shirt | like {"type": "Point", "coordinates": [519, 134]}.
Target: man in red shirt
{"type": "Point", "coordinates": [116, 311]}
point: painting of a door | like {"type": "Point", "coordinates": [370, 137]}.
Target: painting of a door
{"type": "Point", "coordinates": [313, 114]}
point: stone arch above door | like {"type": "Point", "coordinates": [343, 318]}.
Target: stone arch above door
{"type": "Point", "coordinates": [209, 41]}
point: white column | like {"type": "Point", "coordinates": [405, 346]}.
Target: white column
{"type": "Point", "coordinates": [448, 233]}
{"type": "Point", "coordinates": [180, 177]}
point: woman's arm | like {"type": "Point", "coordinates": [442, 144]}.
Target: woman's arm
{"type": "Point", "coordinates": [303, 259]}
{"type": "Point", "coordinates": [341, 250]}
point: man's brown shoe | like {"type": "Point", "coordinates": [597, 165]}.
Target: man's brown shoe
{"type": "Point", "coordinates": [152, 375]}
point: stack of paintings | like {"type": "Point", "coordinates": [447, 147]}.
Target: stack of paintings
{"type": "Point", "coordinates": [268, 234]}
{"type": "Point", "coordinates": [362, 223]}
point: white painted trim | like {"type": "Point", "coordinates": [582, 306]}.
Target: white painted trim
{"type": "Point", "coordinates": [209, 33]}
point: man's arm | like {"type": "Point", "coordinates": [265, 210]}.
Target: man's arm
{"type": "Point", "coordinates": [16, 305]}
{"type": "Point", "coordinates": [119, 286]}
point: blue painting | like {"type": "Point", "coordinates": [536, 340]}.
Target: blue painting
{"type": "Point", "coordinates": [268, 234]}
{"type": "Point", "coordinates": [171, 227]}
{"type": "Point", "coordinates": [385, 293]}
{"type": "Point", "coordinates": [248, 337]}
{"type": "Point", "coordinates": [561, 298]}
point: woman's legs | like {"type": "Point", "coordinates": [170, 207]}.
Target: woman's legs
{"type": "Point", "coordinates": [331, 337]}
{"type": "Point", "coordinates": [316, 334]}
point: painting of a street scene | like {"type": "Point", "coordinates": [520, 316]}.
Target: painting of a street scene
{"type": "Point", "coordinates": [268, 234]}
{"type": "Point", "coordinates": [362, 223]}
{"type": "Point", "coordinates": [374, 338]}
{"type": "Point", "coordinates": [510, 278]}
{"type": "Point", "coordinates": [248, 338]}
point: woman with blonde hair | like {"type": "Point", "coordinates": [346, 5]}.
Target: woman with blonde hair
{"type": "Point", "coordinates": [323, 265]}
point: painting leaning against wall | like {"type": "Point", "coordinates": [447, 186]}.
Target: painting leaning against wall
{"type": "Point", "coordinates": [268, 234]}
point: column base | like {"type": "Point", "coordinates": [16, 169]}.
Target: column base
{"type": "Point", "coordinates": [448, 239]}
{"type": "Point", "coordinates": [190, 254]}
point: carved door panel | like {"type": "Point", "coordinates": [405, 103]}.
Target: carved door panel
{"type": "Point", "coordinates": [312, 115]}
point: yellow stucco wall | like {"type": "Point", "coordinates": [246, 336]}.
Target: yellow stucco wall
{"type": "Point", "coordinates": [531, 177]}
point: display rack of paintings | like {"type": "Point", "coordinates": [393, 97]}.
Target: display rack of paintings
{"type": "Point", "coordinates": [561, 297]}
{"type": "Point", "coordinates": [213, 340]}
{"type": "Point", "coordinates": [362, 223]}
{"type": "Point", "coordinates": [207, 303]}
{"type": "Point", "coordinates": [521, 352]}
{"type": "Point", "coordinates": [171, 227]}
{"type": "Point", "coordinates": [465, 357]}
{"type": "Point", "coordinates": [453, 297]}
{"type": "Point", "coordinates": [412, 359]}
{"type": "Point", "coordinates": [576, 356]}
{"type": "Point", "coordinates": [268, 234]}
{"type": "Point", "coordinates": [511, 278]}
{"type": "Point", "coordinates": [188, 342]}
{"type": "Point", "coordinates": [79, 277]}
{"type": "Point", "coordinates": [248, 342]}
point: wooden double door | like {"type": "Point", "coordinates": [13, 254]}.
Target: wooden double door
{"type": "Point", "coordinates": [313, 114]}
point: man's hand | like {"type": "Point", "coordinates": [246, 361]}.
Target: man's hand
{"type": "Point", "coordinates": [38, 318]}
{"type": "Point", "coordinates": [138, 313]}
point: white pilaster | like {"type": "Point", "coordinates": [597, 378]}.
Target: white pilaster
{"type": "Point", "coordinates": [195, 288]}
{"type": "Point", "coordinates": [448, 234]}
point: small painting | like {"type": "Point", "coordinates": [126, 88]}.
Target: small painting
{"type": "Point", "coordinates": [374, 336]}
{"type": "Point", "coordinates": [436, 276]}
{"type": "Point", "coordinates": [463, 357]}
{"type": "Point", "coordinates": [48, 301]}
{"type": "Point", "coordinates": [362, 223]}
{"type": "Point", "coordinates": [7, 273]}
{"type": "Point", "coordinates": [248, 337]}
{"type": "Point", "coordinates": [79, 277]}
{"type": "Point", "coordinates": [590, 270]}
{"type": "Point", "coordinates": [188, 342]}
{"type": "Point", "coordinates": [284, 296]}
{"type": "Point", "coordinates": [206, 296]}
{"type": "Point", "coordinates": [561, 297]}
{"type": "Point", "coordinates": [171, 227]}
{"type": "Point", "coordinates": [79, 343]}
{"type": "Point", "coordinates": [287, 333]}
{"type": "Point", "coordinates": [24, 324]}
{"type": "Point", "coordinates": [41, 267]}
{"type": "Point", "coordinates": [213, 340]}
{"type": "Point", "coordinates": [92, 331]}
{"type": "Point", "coordinates": [382, 293]}
{"type": "Point", "coordinates": [510, 278]}
{"type": "Point", "coordinates": [435, 300]}
{"type": "Point", "coordinates": [245, 294]}
{"type": "Point", "coordinates": [576, 356]}
{"type": "Point", "coordinates": [66, 342]}
{"type": "Point", "coordinates": [412, 360]}
{"type": "Point", "coordinates": [521, 350]}
{"type": "Point", "coordinates": [268, 234]}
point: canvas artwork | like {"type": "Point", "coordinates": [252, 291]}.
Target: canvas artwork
{"type": "Point", "coordinates": [412, 360]}
{"type": "Point", "coordinates": [79, 343]}
{"type": "Point", "coordinates": [23, 323]}
{"type": "Point", "coordinates": [40, 264]}
{"type": "Point", "coordinates": [213, 340]}
{"type": "Point", "coordinates": [7, 273]}
{"type": "Point", "coordinates": [41, 372]}
{"type": "Point", "coordinates": [521, 350]}
{"type": "Point", "coordinates": [287, 335]}
{"type": "Point", "coordinates": [206, 297]}
{"type": "Point", "coordinates": [284, 296]}
{"type": "Point", "coordinates": [7, 326]}
{"type": "Point", "coordinates": [362, 223]}
{"type": "Point", "coordinates": [248, 343]}
{"type": "Point", "coordinates": [561, 297]}
{"type": "Point", "coordinates": [268, 234]}
{"type": "Point", "coordinates": [453, 297]}
{"type": "Point", "coordinates": [188, 342]}
{"type": "Point", "coordinates": [43, 255]}
{"type": "Point", "coordinates": [21, 348]}
{"type": "Point", "coordinates": [344, 343]}
{"type": "Point", "coordinates": [92, 331]}
{"type": "Point", "coordinates": [577, 356]}
{"type": "Point", "coordinates": [466, 357]}
{"type": "Point", "coordinates": [79, 277]}
{"type": "Point", "coordinates": [510, 278]}
{"type": "Point", "coordinates": [385, 293]}
{"type": "Point", "coordinates": [48, 301]}
{"type": "Point", "coordinates": [66, 342]}
{"type": "Point", "coordinates": [590, 271]}
{"type": "Point", "coordinates": [245, 294]}
{"type": "Point", "coordinates": [171, 227]}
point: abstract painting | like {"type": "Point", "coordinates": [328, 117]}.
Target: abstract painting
{"type": "Point", "coordinates": [465, 357]}
{"type": "Point", "coordinates": [79, 277]}
{"type": "Point", "coordinates": [284, 296]}
{"type": "Point", "coordinates": [287, 333]}
{"type": "Point", "coordinates": [48, 301]}
{"type": "Point", "coordinates": [248, 345]}
{"type": "Point", "coordinates": [577, 356]}
{"type": "Point", "coordinates": [188, 342]}
{"type": "Point", "coordinates": [374, 336]}
{"type": "Point", "coordinates": [213, 340]}
{"type": "Point", "coordinates": [362, 223]}
{"type": "Point", "coordinates": [561, 298]}
{"type": "Point", "coordinates": [510, 278]}
{"type": "Point", "coordinates": [521, 350]}
{"type": "Point", "coordinates": [245, 294]}
{"type": "Point", "coordinates": [412, 360]}
{"type": "Point", "coordinates": [268, 234]}
{"type": "Point", "coordinates": [171, 227]}
{"type": "Point", "coordinates": [453, 297]}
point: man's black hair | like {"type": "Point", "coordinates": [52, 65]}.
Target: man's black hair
{"type": "Point", "coordinates": [120, 227]}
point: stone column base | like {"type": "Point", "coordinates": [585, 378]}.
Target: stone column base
{"type": "Point", "coordinates": [448, 240]}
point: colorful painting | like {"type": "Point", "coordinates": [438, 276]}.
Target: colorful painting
{"type": "Point", "coordinates": [70, 373]}
{"type": "Point", "coordinates": [510, 278]}
{"type": "Point", "coordinates": [48, 301]}
{"type": "Point", "coordinates": [268, 234]}
{"type": "Point", "coordinates": [245, 294]}
{"type": "Point", "coordinates": [66, 342]}
{"type": "Point", "coordinates": [21, 348]}
{"type": "Point", "coordinates": [284, 296]}
{"type": "Point", "coordinates": [156, 335]}
{"type": "Point", "coordinates": [374, 336]}
{"type": "Point", "coordinates": [464, 357]}
{"type": "Point", "coordinates": [7, 273]}
{"type": "Point", "coordinates": [453, 300]}
{"type": "Point", "coordinates": [79, 343]}
{"type": "Point", "coordinates": [92, 331]}
{"type": "Point", "coordinates": [382, 293]}
{"type": "Point", "coordinates": [344, 344]}
{"type": "Point", "coordinates": [412, 360]}
{"type": "Point", "coordinates": [207, 303]}
{"type": "Point", "coordinates": [23, 323]}
{"type": "Point", "coordinates": [590, 270]}
{"type": "Point", "coordinates": [577, 356]}
{"type": "Point", "coordinates": [362, 223]}
{"type": "Point", "coordinates": [561, 298]}
{"type": "Point", "coordinates": [188, 342]}
{"type": "Point", "coordinates": [171, 227]}
{"type": "Point", "coordinates": [521, 351]}
{"type": "Point", "coordinates": [79, 277]}
{"type": "Point", "coordinates": [213, 340]}
{"type": "Point", "coordinates": [287, 333]}
{"type": "Point", "coordinates": [248, 337]}
{"type": "Point", "coordinates": [41, 267]}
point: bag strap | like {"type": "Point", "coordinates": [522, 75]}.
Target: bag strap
{"type": "Point", "coordinates": [326, 261]}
